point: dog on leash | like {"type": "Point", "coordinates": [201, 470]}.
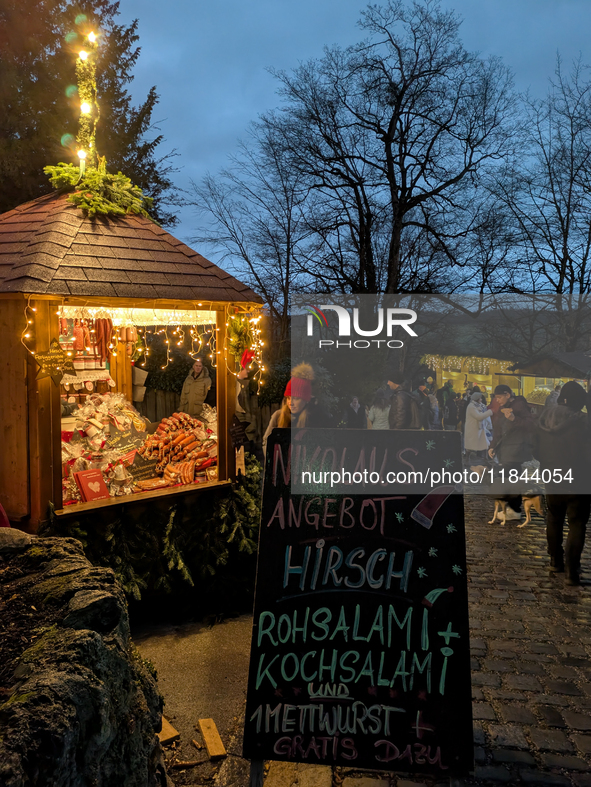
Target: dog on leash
{"type": "Point", "coordinates": [529, 502]}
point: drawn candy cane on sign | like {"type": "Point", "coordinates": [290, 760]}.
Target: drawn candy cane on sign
{"type": "Point", "coordinates": [424, 512]}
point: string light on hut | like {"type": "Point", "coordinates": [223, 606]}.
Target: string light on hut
{"type": "Point", "coordinates": [146, 346]}
{"type": "Point", "coordinates": [28, 331]}
{"type": "Point", "coordinates": [169, 358]}
{"type": "Point", "coordinates": [196, 336]}
{"type": "Point", "coordinates": [245, 343]}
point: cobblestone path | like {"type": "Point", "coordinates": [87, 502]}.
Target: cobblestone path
{"type": "Point", "coordinates": [531, 648]}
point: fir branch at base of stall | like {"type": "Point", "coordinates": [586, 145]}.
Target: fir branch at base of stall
{"type": "Point", "coordinates": [166, 551]}
{"type": "Point", "coordinates": [98, 192]}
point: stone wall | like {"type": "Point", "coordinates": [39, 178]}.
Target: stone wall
{"type": "Point", "coordinates": [79, 706]}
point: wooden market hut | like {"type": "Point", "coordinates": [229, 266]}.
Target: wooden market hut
{"type": "Point", "coordinates": [51, 255]}
{"type": "Point", "coordinates": [558, 366]}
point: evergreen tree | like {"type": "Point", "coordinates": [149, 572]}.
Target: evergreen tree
{"type": "Point", "coordinates": [39, 104]}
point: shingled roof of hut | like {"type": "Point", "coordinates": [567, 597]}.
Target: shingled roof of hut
{"type": "Point", "coordinates": [49, 247]}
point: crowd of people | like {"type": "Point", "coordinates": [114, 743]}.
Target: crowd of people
{"type": "Point", "coordinates": [396, 406]}
{"type": "Point", "coordinates": [500, 433]}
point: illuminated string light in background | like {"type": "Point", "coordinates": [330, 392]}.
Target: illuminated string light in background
{"type": "Point", "coordinates": [465, 363]}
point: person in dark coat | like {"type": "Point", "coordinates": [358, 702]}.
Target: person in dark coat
{"type": "Point", "coordinates": [563, 442]}
{"type": "Point", "coordinates": [444, 396]}
{"type": "Point", "coordinates": [404, 408]}
{"type": "Point", "coordinates": [355, 415]}
{"type": "Point", "coordinates": [513, 444]}
{"type": "Point", "coordinates": [503, 397]}
{"type": "Point", "coordinates": [422, 396]}
{"type": "Point", "coordinates": [450, 421]}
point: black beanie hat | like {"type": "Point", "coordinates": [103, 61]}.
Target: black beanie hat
{"type": "Point", "coordinates": [503, 389]}
{"type": "Point", "coordinates": [573, 395]}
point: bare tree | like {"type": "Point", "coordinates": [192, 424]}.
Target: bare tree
{"type": "Point", "coordinates": [548, 192]}
{"type": "Point", "coordinates": [253, 211]}
{"type": "Point", "coordinates": [393, 136]}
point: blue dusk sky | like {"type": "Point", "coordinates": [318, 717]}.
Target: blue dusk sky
{"type": "Point", "coordinates": [209, 60]}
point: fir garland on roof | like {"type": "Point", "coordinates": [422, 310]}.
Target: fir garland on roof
{"type": "Point", "coordinates": [98, 192]}
{"type": "Point", "coordinates": [94, 190]}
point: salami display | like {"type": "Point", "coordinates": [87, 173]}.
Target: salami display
{"type": "Point", "coordinates": [110, 436]}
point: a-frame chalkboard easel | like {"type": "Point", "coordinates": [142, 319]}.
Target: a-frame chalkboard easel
{"type": "Point", "coordinates": [360, 650]}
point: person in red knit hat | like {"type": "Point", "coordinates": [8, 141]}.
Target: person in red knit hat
{"type": "Point", "coordinates": [295, 410]}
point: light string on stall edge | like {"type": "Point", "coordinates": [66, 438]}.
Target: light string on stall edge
{"type": "Point", "coordinates": [212, 342]}
{"type": "Point", "coordinates": [122, 318]}
{"type": "Point", "coordinates": [195, 333]}
{"type": "Point", "coordinates": [29, 323]}
{"type": "Point", "coordinates": [257, 345]}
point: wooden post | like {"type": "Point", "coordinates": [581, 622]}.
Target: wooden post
{"type": "Point", "coordinates": [226, 403]}
{"type": "Point", "coordinates": [14, 465]}
{"type": "Point", "coordinates": [45, 469]}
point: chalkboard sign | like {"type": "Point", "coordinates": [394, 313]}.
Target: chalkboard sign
{"type": "Point", "coordinates": [368, 461]}
{"type": "Point", "coordinates": [360, 649]}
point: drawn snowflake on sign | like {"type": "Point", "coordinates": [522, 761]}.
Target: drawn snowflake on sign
{"type": "Point", "coordinates": [430, 445]}
{"type": "Point", "coordinates": [432, 552]}
{"type": "Point", "coordinates": [421, 572]}
{"type": "Point", "coordinates": [448, 462]}
{"type": "Point", "coordinates": [399, 517]}
{"type": "Point", "coordinates": [456, 569]}
{"type": "Point", "coordinates": [451, 528]}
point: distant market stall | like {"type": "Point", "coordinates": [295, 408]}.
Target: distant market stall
{"type": "Point", "coordinates": [80, 299]}
{"type": "Point", "coordinates": [469, 370]}
{"type": "Point", "coordinates": [541, 375]}
{"type": "Point", "coordinates": [535, 379]}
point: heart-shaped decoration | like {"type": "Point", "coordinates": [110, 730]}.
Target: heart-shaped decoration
{"type": "Point", "coordinates": [94, 486]}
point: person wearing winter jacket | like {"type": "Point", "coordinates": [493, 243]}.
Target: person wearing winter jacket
{"type": "Point", "coordinates": [195, 388]}
{"type": "Point", "coordinates": [475, 439]}
{"type": "Point", "coordinates": [444, 395]}
{"type": "Point", "coordinates": [434, 419]}
{"type": "Point", "coordinates": [451, 416]}
{"type": "Point", "coordinates": [513, 444]}
{"type": "Point", "coordinates": [355, 415]}
{"type": "Point", "coordinates": [422, 396]}
{"type": "Point", "coordinates": [552, 398]}
{"type": "Point", "coordinates": [404, 408]}
{"type": "Point", "coordinates": [379, 411]}
{"type": "Point", "coordinates": [298, 408]}
{"type": "Point", "coordinates": [514, 438]}
{"type": "Point", "coordinates": [502, 398]}
{"type": "Point", "coordinates": [563, 442]}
